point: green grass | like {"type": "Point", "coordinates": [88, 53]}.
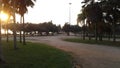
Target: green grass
{"type": "Point", "coordinates": [105, 42]}
{"type": "Point", "coordinates": [35, 55]}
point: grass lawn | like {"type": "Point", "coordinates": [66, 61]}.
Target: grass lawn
{"type": "Point", "coordinates": [35, 55]}
{"type": "Point", "coordinates": [79, 40]}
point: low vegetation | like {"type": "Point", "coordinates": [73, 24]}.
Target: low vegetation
{"type": "Point", "coordinates": [35, 55]}
{"type": "Point", "coordinates": [105, 42]}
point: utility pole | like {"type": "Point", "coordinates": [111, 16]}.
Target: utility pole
{"type": "Point", "coordinates": [70, 13]}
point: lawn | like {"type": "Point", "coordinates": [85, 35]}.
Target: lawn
{"type": "Point", "coordinates": [35, 55]}
{"type": "Point", "coordinates": [105, 42]}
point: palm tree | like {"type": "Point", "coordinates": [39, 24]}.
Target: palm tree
{"type": "Point", "coordinates": [20, 30]}
{"type": "Point", "coordinates": [93, 13]}
{"type": "Point", "coordinates": [111, 8]}
{"type": "Point", "coordinates": [110, 11]}
{"type": "Point", "coordinates": [7, 36]}
{"type": "Point", "coordinates": [22, 9]}
{"type": "Point", "coordinates": [10, 7]}
{"type": "Point", "coordinates": [1, 55]}
{"type": "Point", "coordinates": [81, 19]}
{"type": "Point", "coordinates": [6, 8]}
{"type": "Point", "coordinates": [14, 27]}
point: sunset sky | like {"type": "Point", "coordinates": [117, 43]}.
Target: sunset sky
{"type": "Point", "coordinates": [55, 10]}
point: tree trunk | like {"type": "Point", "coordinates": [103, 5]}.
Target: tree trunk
{"type": "Point", "coordinates": [100, 36]}
{"type": "Point", "coordinates": [89, 32]}
{"type": "Point", "coordinates": [7, 36]}
{"type": "Point", "coordinates": [2, 60]}
{"type": "Point", "coordinates": [84, 31]}
{"type": "Point", "coordinates": [96, 35]}
{"type": "Point", "coordinates": [1, 55]}
{"type": "Point", "coordinates": [68, 33]}
{"type": "Point", "coordinates": [20, 30]}
{"type": "Point", "coordinates": [109, 36]}
{"type": "Point", "coordinates": [114, 37]}
{"type": "Point", "coordinates": [83, 35]}
{"type": "Point", "coordinates": [89, 35]}
{"type": "Point", "coordinates": [14, 30]}
{"type": "Point", "coordinates": [14, 34]}
{"type": "Point", "coordinates": [7, 39]}
{"type": "Point", "coordinates": [24, 42]}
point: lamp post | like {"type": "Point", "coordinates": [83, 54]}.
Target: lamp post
{"type": "Point", "coordinates": [70, 13]}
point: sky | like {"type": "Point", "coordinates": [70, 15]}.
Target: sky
{"type": "Point", "coordinates": [55, 10]}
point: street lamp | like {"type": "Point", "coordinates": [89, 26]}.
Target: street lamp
{"type": "Point", "coordinates": [70, 13]}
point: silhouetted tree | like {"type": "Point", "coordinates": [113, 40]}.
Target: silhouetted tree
{"type": "Point", "coordinates": [22, 9]}
{"type": "Point", "coordinates": [75, 29]}
{"type": "Point", "coordinates": [81, 19]}
{"type": "Point", "coordinates": [66, 28]}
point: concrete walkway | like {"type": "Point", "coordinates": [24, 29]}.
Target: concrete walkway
{"type": "Point", "coordinates": [85, 55]}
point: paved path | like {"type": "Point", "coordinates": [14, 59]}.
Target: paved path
{"type": "Point", "coordinates": [86, 55]}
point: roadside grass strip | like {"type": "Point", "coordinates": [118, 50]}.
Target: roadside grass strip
{"type": "Point", "coordinates": [35, 55]}
{"type": "Point", "coordinates": [105, 42]}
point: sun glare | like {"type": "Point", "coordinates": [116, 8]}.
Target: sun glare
{"type": "Point", "coordinates": [3, 16]}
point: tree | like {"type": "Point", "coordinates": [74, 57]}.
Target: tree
{"type": "Point", "coordinates": [81, 19]}
{"type": "Point", "coordinates": [7, 9]}
{"type": "Point", "coordinates": [75, 29]}
{"type": "Point", "coordinates": [95, 16]}
{"type": "Point", "coordinates": [111, 8]}
{"type": "Point", "coordinates": [66, 28]}
{"type": "Point", "coordinates": [1, 55]}
{"type": "Point", "coordinates": [104, 11]}
{"type": "Point", "coordinates": [10, 5]}
{"type": "Point", "coordinates": [22, 9]}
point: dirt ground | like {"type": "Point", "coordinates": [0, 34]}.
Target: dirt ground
{"type": "Point", "coordinates": [85, 55]}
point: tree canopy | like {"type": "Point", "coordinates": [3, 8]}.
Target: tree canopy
{"type": "Point", "coordinates": [99, 14]}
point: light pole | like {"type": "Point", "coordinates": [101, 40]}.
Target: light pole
{"type": "Point", "coordinates": [70, 13]}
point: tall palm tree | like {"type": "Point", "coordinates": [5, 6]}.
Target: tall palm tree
{"type": "Point", "coordinates": [14, 20]}
{"type": "Point", "coordinates": [8, 10]}
{"type": "Point", "coordinates": [111, 8]}
{"type": "Point", "coordinates": [7, 35]}
{"type": "Point", "coordinates": [110, 11]}
{"type": "Point", "coordinates": [20, 30]}
{"type": "Point", "coordinates": [1, 55]}
{"type": "Point", "coordinates": [93, 13]}
{"type": "Point", "coordinates": [81, 19]}
{"type": "Point", "coordinates": [10, 7]}
{"type": "Point", "coordinates": [22, 9]}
